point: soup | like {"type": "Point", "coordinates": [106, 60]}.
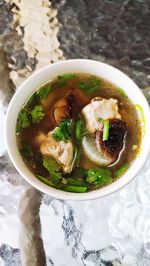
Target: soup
{"type": "Point", "coordinates": [78, 132]}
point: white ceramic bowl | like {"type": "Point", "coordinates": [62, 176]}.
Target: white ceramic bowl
{"type": "Point", "coordinates": [75, 66]}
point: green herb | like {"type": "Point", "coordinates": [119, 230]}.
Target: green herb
{"type": "Point", "coordinates": [106, 130]}
{"type": "Point", "coordinates": [44, 91]}
{"type": "Point", "coordinates": [121, 170]}
{"type": "Point", "coordinates": [67, 125]}
{"type": "Point", "coordinates": [64, 131]}
{"type": "Point", "coordinates": [53, 168]}
{"type": "Point", "coordinates": [23, 120]}
{"type": "Point", "coordinates": [78, 130]}
{"type": "Point", "coordinates": [46, 181]}
{"type": "Point", "coordinates": [31, 100]}
{"type": "Point", "coordinates": [62, 80]}
{"type": "Point", "coordinates": [122, 93]}
{"type": "Point", "coordinates": [91, 86]}
{"type": "Point", "coordinates": [76, 189]}
{"type": "Point", "coordinates": [99, 176]}
{"type": "Point", "coordinates": [37, 114]}
{"type": "Point", "coordinates": [26, 150]}
{"type": "Point", "coordinates": [78, 157]}
{"type": "Point", "coordinates": [74, 182]}
{"type": "Point", "coordinates": [58, 135]}
{"type": "Point", "coordinates": [101, 120]}
{"type": "Point", "coordinates": [67, 76]}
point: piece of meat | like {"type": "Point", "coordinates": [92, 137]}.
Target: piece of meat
{"type": "Point", "coordinates": [99, 108]}
{"type": "Point", "coordinates": [63, 108]}
{"type": "Point", "coordinates": [61, 151]}
{"type": "Point", "coordinates": [112, 147]}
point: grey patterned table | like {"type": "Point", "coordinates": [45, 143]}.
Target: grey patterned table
{"type": "Point", "coordinates": [36, 229]}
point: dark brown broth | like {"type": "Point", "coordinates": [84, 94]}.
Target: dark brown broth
{"type": "Point", "coordinates": [107, 90]}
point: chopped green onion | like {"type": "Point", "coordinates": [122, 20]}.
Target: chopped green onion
{"type": "Point", "coordinates": [121, 170]}
{"type": "Point", "coordinates": [45, 181]}
{"type": "Point", "coordinates": [106, 130]}
{"type": "Point", "coordinates": [67, 76]}
{"type": "Point", "coordinates": [78, 130]}
{"type": "Point", "coordinates": [74, 182]}
{"type": "Point", "coordinates": [76, 189]}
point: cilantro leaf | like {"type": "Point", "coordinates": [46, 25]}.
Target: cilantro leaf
{"type": "Point", "coordinates": [59, 135]}
{"type": "Point", "coordinates": [53, 168]}
{"type": "Point", "coordinates": [64, 131]}
{"type": "Point", "coordinates": [23, 120]}
{"type": "Point", "coordinates": [62, 79]}
{"type": "Point", "coordinates": [37, 114]}
{"type": "Point", "coordinates": [43, 92]}
{"type": "Point", "coordinates": [99, 176]}
{"type": "Point", "coordinates": [91, 86]}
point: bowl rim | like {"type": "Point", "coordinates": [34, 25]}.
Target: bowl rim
{"type": "Point", "coordinates": [27, 174]}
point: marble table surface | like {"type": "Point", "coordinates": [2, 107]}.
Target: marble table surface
{"type": "Point", "coordinates": [36, 229]}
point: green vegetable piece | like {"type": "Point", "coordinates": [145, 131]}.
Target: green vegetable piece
{"type": "Point", "coordinates": [101, 120]}
{"type": "Point", "coordinates": [76, 189]}
{"type": "Point", "coordinates": [99, 176]}
{"type": "Point", "coordinates": [67, 125]}
{"type": "Point", "coordinates": [53, 168]}
{"type": "Point", "coordinates": [122, 93]}
{"type": "Point", "coordinates": [67, 76]}
{"type": "Point", "coordinates": [26, 150]}
{"type": "Point", "coordinates": [46, 181]}
{"type": "Point", "coordinates": [91, 86]}
{"type": "Point", "coordinates": [31, 100]}
{"type": "Point", "coordinates": [37, 114]}
{"type": "Point", "coordinates": [121, 170]}
{"type": "Point", "coordinates": [58, 135]}
{"type": "Point", "coordinates": [44, 91]}
{"type": "Point", "coordinates": [106, 130]}
{"type": "Point", "coordinates": [23, 120]}
{"type": "Point", "coordinates": [62, 79]}
{"type": "Point", "coordinates": [91, 176]}
{"type": "Point", "coordinates": [78, 157]}
{"type": "Point", "coordinates": [78, 130]}
{"type": "Point", "coordinates": [64, 131]}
